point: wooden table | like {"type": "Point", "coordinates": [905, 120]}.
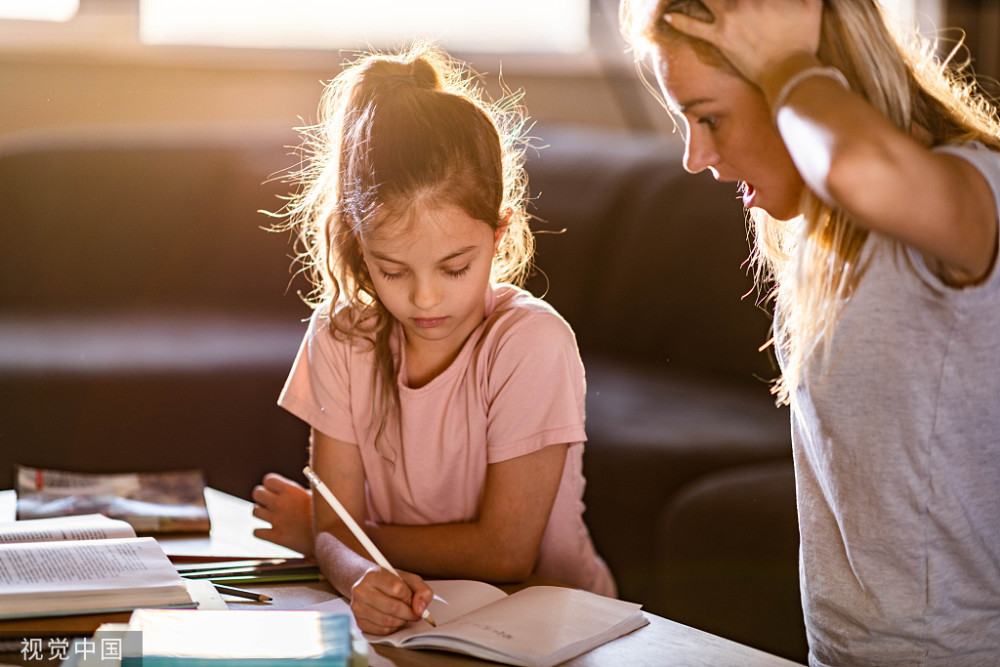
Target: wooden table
{"type": "Point", "coordinates": [661, 643]}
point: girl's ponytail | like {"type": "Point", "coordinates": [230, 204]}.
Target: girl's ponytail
{"type": "Point", "coordinates": [398, 130]}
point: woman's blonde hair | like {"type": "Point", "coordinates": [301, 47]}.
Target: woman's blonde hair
{"type": "Point", "coordinates": [398, 130]}
{"type": "Point", "coordinates": [810, 265]}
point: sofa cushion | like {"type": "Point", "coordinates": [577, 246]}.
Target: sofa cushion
{"type": "Point", "coordinates": [650, 434]}
{"type": "Point", "coordinates": [727, 548]}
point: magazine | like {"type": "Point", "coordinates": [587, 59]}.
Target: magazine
{"type": "Point", "coordinates": [153, 502]}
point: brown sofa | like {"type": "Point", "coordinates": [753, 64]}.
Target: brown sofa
{"type": "Point", "coordinates": [148, 322]}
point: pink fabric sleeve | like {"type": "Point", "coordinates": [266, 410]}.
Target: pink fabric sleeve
{"type": "Point", "coordinates": [536, 388]}
{"type": "Point", "coordinates": [318, 389]}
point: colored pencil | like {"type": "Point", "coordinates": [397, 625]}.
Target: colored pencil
{"type": "Point", "coordinates": [242, 563]}
{"type": "Point", "coordinates": [250, 571]}
{"type": "Point", "coordinates": [266, 578]}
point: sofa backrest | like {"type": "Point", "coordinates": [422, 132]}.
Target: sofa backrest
{"type": "Point", "coordinates": [155, 218]}
{"type": "Point", "coordinates": [146, 319]}
{"type": "Point", "coordinates": [147, 322]}
{"type": "Point", "coordinates": [651, 266]}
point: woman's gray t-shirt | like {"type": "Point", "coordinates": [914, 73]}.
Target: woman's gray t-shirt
{"type": "Point", "coordinates": [897, 455]}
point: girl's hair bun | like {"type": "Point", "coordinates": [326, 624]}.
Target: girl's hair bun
{"type": "Point", "coordinates": [386, 75]}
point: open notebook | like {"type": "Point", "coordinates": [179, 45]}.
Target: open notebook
{"type": "Point", "coordinates": [538, 626]}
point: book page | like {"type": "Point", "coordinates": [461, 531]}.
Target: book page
{"type": "Point", "coordinates": [46, 578]}
{"type": "Point", "coordinates": [80, 527]}
{"type": "Point", "coordinates": [540, 625]}
{"type": "Point", "coordinates": [544, 619]}
{"type": "Point", "coordinates": [37, 568]}
{"type": "Point", "coordinates": [232, 535]}
{"type": "Point", "coordinates": [452, 599]}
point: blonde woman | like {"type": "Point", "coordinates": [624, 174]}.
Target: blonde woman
{"type": "Point", "coordinates": [872, 176]}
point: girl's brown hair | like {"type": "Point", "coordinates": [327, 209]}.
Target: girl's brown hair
{"type": "Point", "coordinates": [395, 131]}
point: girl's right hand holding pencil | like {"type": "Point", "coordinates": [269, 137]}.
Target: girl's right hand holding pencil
{"type": "Point", "coordinates": [383, 603]}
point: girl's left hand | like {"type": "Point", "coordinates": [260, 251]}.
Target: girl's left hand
{"type": "Point", "coordinates": [287, 506]}
{"type": "Point", "coordinates": [756, 35]}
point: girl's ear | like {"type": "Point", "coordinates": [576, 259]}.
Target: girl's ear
{"type": "Point", "coordinates": [501, 229]}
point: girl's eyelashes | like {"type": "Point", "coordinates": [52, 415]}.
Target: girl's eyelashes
{"type": "Point", "coordinates": [710, 121]}
{"type": "Point", "coordinates": [454, 273]}
{"type": "Point", "coordinates": [390, 276]}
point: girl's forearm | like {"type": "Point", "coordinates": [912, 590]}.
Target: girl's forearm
{"type": "Point", "coordinates": [340, 558]}
{"type": "Point", "coordinates": [502, 544]}
{"type": "Point", "coordinates": [457, 550]}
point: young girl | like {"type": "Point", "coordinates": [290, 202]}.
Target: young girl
{"type": "Point", "coordinates": [873, 177]}
{"type": "Point", "coordinates": [446, 406]}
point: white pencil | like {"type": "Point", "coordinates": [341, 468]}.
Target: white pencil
{"type": "Point", "coordinates": [349, 521]}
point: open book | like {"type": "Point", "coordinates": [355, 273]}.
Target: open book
{"type": "Point", "coordinates": [83, 565]}
{"type": "Point", "coordinates": [152, 502]}
{"type": "Point", "coordinates": [537, 626]}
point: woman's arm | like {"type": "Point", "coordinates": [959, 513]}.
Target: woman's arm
{"type": "Point", "coordinates": [502, 544]}
{"type": "Point", "coordinates": [380, 601]}
{"type": "Point", "coordinates": [854, 158]}
{"type": "Point", "coordinates": [848, 152]}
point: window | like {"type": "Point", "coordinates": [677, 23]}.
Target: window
{"type": "Point", "coordinates": [511, 26]}
{"type": "Point", "coordinates": [39, 10]}
{"type": "Point", "coordinates": [926, 15]}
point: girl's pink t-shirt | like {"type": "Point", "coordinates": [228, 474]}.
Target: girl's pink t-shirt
{"type": "Point", "coordinates": [516, 386]}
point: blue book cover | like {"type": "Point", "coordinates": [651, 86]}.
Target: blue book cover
{"type": "Point", "coordinates": [243, 637]}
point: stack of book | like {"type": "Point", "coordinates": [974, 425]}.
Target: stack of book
{"type": "Point", "coordinates": [233, 638]}
{"type": "Point", "coordinates": [83, 565]}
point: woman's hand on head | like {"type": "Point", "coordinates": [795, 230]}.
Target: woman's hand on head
{"type": "Point", "coordinates": [756, 35]}
{"type": "Point", "coordinates": [383, 603]}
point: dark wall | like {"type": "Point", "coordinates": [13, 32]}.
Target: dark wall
{"type": "Point", "coordinates": [980, 20]}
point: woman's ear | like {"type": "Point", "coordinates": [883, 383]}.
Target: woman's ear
{"type": "Point", "coordinates": [501, 229]}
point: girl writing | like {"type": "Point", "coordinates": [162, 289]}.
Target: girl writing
{"type": "Point", "coordinates": [872, 175]}
{"type": "Point", "coordinates": [446, 405]}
